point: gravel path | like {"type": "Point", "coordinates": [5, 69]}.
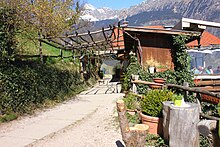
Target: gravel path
{"type": "Point", "coordinates": [93, 124]}
{"type": "Point", "coordinates": [99, 129]}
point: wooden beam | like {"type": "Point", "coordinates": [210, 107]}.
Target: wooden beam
{"type": "Point", "coordinates": [194, 90]}
{"type": "Point", "coordinates": [210, 82]}
{"type": "Point", "coordinates": [75, 41]}
{"type": "Point", "coordinates": [78, 35]}
{"type": "Point", "coordinates": [145, 82]}
{"type": "Point", "coordinates": [197, 90]}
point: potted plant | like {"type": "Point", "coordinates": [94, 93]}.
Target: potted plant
{"type": "Point", "coordinates": [159, 80]}
{"type": "Point", "coordinates": [151, 64]}
{"type": "Point", "coordinates": [161, 68]}
{"type": "Point", "coordinates": [177, 99]}
{"type": "Point", "coordinates": [151, 107]}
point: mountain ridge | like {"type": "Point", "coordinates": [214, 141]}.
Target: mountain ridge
{"type": "Point", "coordinates": [159, 12]}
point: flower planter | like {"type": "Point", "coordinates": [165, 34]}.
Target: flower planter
{"type": "Point", "coordinates": [159, 80]}
{"type": "Point", "coordinates": [154, 123]}
{"type": "Point", "coordinates": [155, 86]}
{"type": "Point", "coordinates": [134, 77]}
{"type": "Point", "coordinates": [161, 69]}
{"type": "Point", "coordinates": [118, 87]}
{"type": "Point", "coordinates": [177, 102]}
{"type": "Point", "coordinates": [151, 69]}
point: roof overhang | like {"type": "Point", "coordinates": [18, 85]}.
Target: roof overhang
{"type": "Point", "coordinates": [162, 31]}
{"type": "Point", "coordinates": [194, 24]}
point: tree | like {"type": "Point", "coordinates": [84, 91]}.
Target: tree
{"type": "Point", "coordinates": [49, 17]}
{"type": "Point", "coordinates": [7, 34]}
{"type": "Point", "coordinates": [44, 17]}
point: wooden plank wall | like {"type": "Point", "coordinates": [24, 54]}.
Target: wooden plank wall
{"type": "Point", "coordinates": [157, 47]}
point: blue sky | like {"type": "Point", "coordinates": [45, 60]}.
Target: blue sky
{"type": "Point", "coordinates": [114, 4]}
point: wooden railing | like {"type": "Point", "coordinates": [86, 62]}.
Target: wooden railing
{"type": "Point", "coordinates": [205, 127]}
{"type": "Point", "coordinates": [215, 96]}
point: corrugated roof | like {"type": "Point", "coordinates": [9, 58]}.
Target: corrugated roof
{"type": "Point", "coordinates": [207, 39]}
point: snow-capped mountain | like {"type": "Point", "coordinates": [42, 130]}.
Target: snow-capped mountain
{"type": "Point", "coordinates": [92, 13]}
{"type": "Point", "coordinates": [156, 12]}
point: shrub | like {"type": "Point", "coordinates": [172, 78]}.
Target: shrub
{"type": "Point", "coordinates": [25, 86]}
{"type": "Point", "coordinates": [151, 104]}
{"type": "Point", "coordinates": [132, 103]}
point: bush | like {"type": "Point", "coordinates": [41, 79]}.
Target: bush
{"type": "Point", "coordinates": [152, 105]}
{"type": "Point", "coordinates": [25, 86]}
{"type": "Point", "coordinates": [132, 103]}
{"type": "Point", "coordinates": [172, 77]}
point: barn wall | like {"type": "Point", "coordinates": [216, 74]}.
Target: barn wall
{"type": "Point", "coordinates": [157, 47]}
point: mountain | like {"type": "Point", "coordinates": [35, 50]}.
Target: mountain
{"type": "Point", "coordinates": [92, 13]}
{"type": "Point", "coordinates": [157, 12]}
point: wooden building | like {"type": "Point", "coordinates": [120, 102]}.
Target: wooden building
{"type": "Point", "coordinates": [153, 45]}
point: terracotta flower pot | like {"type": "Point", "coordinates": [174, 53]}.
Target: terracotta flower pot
{"type": "Point", "coordinates": [159, 80]}
{"type": "Point", "coordinates": [154, 123]}
{"type": "Point", "coordinates": [155, 86]}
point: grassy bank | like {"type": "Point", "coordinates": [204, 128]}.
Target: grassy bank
{"type": "Point", "coordinates": [27, 85]}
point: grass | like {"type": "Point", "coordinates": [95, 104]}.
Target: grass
{"type": "Point", "coordinates": [8, 117]}
{"type": "Point", "coordinates": [28, 47]}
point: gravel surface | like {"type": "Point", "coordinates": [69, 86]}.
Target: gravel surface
{"type": "Point", "coordinates": [97, 128]}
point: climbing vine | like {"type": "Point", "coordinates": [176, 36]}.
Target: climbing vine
{"type": "Point", "coordinates": [181, 60]}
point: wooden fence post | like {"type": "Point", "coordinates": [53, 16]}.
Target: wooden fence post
{"type": "Point", "coordinates": [134, 86]}
{"type": "Point", "coordinates": [182, 124]}
{"type": "Point", "coordinates": [186, 93]}
{"type": "Point", "coordinates": [40, 48]}
{"type": "Point", "coordinates": [132, 136]}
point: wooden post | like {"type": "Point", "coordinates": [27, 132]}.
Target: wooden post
{"type": "Point", "coordinates": [186, 93]}
{"type": "Point", "coordinates": [61, 53]}
{"type": "Point", "coordinates": [40, 48]}
{"type": "Point", "coordinates": [134, 86]}
{"type": "Point", "coordinates": [132, 136]}
{"type": "Point", "coordinates": [180, 124]}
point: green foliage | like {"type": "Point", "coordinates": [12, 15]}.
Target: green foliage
{"type": "Point", "coordinates": [132, 103]}
{"type": "Point", "coordinates": [204, 141]}
{"type": "Point", "coordinates": [154, 140]}
{"type": "Point", "coordinates": [151, 104]}
{"type": "Point", "coordinates": [8, 117]}
{"type": "Point", "coordinates": [53, 17]}
{"type": "Point", "coordinates": [133, 68]}
{"type": "Point", "coordinates": [7, 34]}
{"type": "Point", "coordinates": [177, 97]}
{"type": "Point", "coordinates": [209, 109]}
{"type": "Point", "coordinates": [172, 77]}
{"type": "Point", "coordinates": [133, 119]}
{"type": "Point", "coordinates": [181, 60]}
{"type": "Point", "coordinates": [27, 85]}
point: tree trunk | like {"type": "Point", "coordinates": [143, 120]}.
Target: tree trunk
{"type": "Point", "coordinates": [208, 128]}
{"type": "Point", "coordinates": [180, 124]}
{"type": "Point", "coordinates": [132, 136]}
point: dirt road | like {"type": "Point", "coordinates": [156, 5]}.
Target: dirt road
{"type": "Point", "coordinates": [88, 121]}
